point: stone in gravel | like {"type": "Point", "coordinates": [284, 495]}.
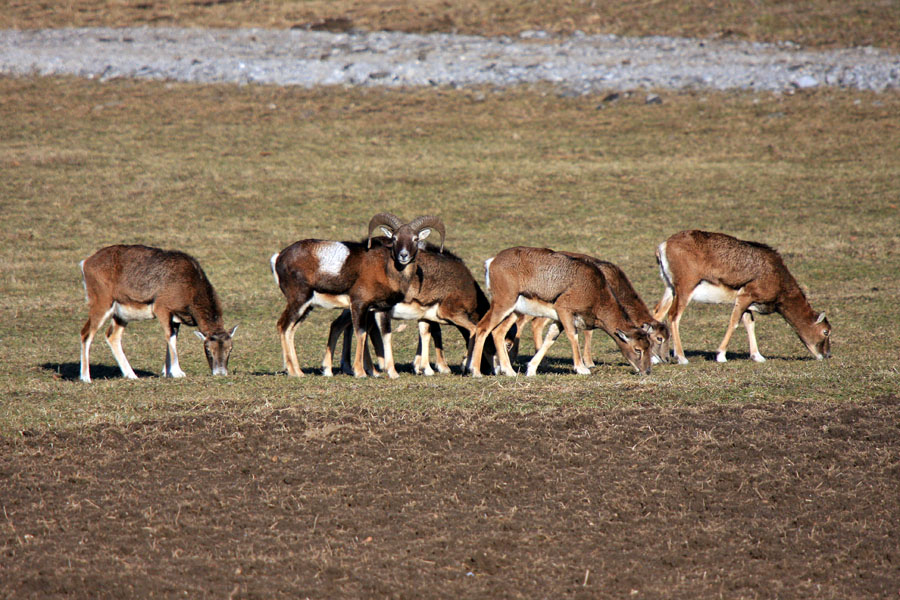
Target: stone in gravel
{"type": "Point", "coordinates": [807, 81]}
{"type": "Point", "coordinates": [583, 64]}
{"type": "Point", "coordinates": [653, 99]}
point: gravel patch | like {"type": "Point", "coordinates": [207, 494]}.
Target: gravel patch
{"type": "Point", "coordinates": [579, 64]}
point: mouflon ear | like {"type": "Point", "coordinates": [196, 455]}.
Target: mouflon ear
{"type": "Point", "coordinates": [429, 222]}
{"type": "Point", "coordinates": [820, 318]}
{"type": "Point", "coordinates": [200, 335]}
{"type": "Point", "coordinates": [622, 335]}
{"type": "Point", "coordinates": [387, 222]}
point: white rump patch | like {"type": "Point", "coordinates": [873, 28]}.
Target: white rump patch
{"type": "Point", "coordinates": [331, 257]}
{"type": "Point", "coordinates": [487, 272]}
{"type": "Point", "coordinates": [138, 312]}
{"type": "Point", "coordinates": [713, 294]}
{"type": "Point", "coordinates": [535, 308]}
{"type": "Point", "coordinates": [274, 272]}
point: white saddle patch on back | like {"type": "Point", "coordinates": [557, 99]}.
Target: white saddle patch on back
{"type": "Point", "coordinates": [139, 312]}
{"type": "Point", "coordinates": [330, 300]}
{"type": "Point", "coordinates": [331, 257]}
{"type": "Point", "coordinates": [414, 311]}
{"type": "Point", "coordinates": [709, 293]}
{"type": "Point", "coordinates": [535, 308]}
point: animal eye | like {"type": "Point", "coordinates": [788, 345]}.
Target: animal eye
{"type": "Point", "coordinates": [826, 333]}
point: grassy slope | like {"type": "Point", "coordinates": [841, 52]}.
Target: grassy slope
{"type": "Point", "coordinates": [233, 174]}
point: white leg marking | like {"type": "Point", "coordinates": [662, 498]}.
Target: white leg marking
{"type": "Point", "coordinates": [116, 347]}
{"type": "Point", "coordinates": [423, 361]}
{"type": "Point", "coordinates": [750, 325]}
{"type": "Point", "coordinates": [85, 360]}
{"type": "Point", "coordinates": [86, 348]}
{"type": "Point", "coordinates": [552, 334]}
{"type": "Point", "coordinates": [171, 368]}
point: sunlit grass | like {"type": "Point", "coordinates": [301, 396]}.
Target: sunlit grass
{"type": "Point", "coordinates": [233, 174]}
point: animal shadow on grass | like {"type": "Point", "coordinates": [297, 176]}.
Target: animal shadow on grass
{"type": "Point", "coordinates": [550, 365]}
{"type": "Point", "coordinates": [704, 355]}
{"type": "Point", "coordinates": [71, 371]}
{"type": "Point", "coordinates": [279, 372]}
{"type": "Point", "coordinates": [711, 356]}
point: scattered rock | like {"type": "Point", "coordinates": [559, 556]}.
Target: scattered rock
{"type": "Point", "coordinates": [807, 81]}
{"type": "Point", "coordinates": [653, 99]}
{"type": "Point", "coordinates": [319, 53]}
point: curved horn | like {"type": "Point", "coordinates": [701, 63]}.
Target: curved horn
{"type": "Point", "coordinates": [420, 223]}
{"type": "Point", "coordinates": [388, 219]}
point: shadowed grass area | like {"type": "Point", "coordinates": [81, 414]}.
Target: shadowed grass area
{"type": "Point", "coordinates": [234, 174]}
{"type": "Point", "coordinates": [820, 23]}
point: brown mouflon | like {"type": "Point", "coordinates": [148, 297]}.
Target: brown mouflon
{"type": "Point", "coordinates": [137, 283]}
{"type": "Point", "coordinates": [719, 269]}
{"type": "Point", "coordinates": [353, 275]}
{"type": "Point", "coordinates": [572, 292]}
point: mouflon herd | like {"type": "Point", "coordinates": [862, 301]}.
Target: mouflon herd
{"type": "Point", "coordinates": [399, 275]}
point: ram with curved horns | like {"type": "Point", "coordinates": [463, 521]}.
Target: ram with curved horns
{"type": "Point", "coordinates": [352, 275]}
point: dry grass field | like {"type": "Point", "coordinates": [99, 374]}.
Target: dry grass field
{"type": "Point", "coordinates": [816, 23]}
{"type": "Point", "coordinates": [736, 480]}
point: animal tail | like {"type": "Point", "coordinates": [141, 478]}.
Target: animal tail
{"type": "Point", "coordinates": [663, 263]}
{"type": "Point", "coordinates": [84, 281]}
{"type": "Point", "coordinates": [487, 273]}
{"type": "Point", "coordinates": [665, 273]}
{"type": "Point", "coordinates": [275, 272]}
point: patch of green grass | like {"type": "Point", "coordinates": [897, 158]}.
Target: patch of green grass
{"type": "Point", "coordinates": [234, 174]}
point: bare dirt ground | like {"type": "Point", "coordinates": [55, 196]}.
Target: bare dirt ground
{"type": "Point", "coordinates": [768, 501]}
